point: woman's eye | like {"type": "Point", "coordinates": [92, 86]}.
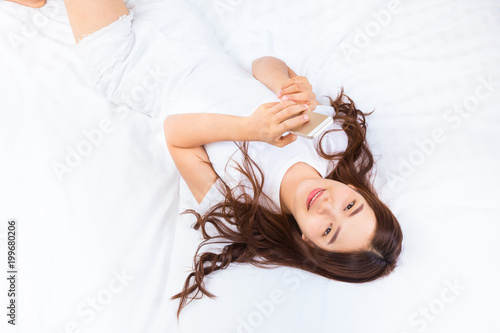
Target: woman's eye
{"type": "Point", "coordinates": [327, 231]}
{"type": "Point", "coordinates": [349, 206]}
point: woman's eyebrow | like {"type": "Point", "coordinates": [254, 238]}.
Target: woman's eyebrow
{"type": "Point", "coordinates": [334, 236]}
{"type": "Point", "coordinates": [357, 210]}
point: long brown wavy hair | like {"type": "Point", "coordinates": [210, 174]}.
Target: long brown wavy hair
{"type": "Point", "coordinates": [248, 223]}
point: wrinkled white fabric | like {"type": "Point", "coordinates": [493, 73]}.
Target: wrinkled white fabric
{"type": "Point", "coordinates": [180, 68]}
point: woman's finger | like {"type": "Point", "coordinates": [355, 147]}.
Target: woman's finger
{"type": "Point", "coordinates": [294, 88]}
{"type": "Point", "coordinates": [291, 111]}
{"type": "Point", "coordinates": [281, 106]}
{"type": "Point", "coordinates": [292, 123]}
{"type": "Point", "coordinates": [300, 97]}
{"type": "Point", "coordinates": [270, 104]}
{"type": "Point", "coordinates": [294, 80]}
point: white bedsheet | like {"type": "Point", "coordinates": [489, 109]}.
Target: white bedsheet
{"type": "Point", "coordinates": [101, 246]}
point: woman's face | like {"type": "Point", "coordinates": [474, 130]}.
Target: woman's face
{"type": "Point", "coordinates": [333, 215]}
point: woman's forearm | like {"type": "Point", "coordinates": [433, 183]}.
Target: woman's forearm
{"type": "Point", "coordinates": [271, 71]}
{"type": "Point", "coordinates": [197, 129]}
{"type": "Point", "coordinates": [283, 81]}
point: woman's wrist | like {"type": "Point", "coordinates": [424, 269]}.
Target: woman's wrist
{"type": "Point", "coordinates": [247, 129]}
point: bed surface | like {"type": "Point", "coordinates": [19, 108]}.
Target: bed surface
{"type": "Point", "coordinates": [102, 247]}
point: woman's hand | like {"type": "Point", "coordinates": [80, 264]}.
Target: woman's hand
{"type": "Point", "coordinates": [299, 90]}
{"type": "Point", "coordinates": [271, 120]}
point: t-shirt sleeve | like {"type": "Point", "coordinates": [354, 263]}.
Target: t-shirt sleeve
{"type": "Point", "coordinates": [132, 62]}
{"type": "Point", "coordinates": [121, 67]}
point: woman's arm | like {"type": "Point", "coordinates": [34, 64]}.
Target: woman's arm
{"type": "Point", "coordinates": [185, 135]}
{"type": "Point", "coordinates": [88, 16]}
{"type": "Point", "coordinates": [195, 168]}
{"type": "Point", "coordinates": [283, 81]}
{"type": "Point", "coordinates": [267, 124]}
{"type": "Point", "coordinates": [197, 129]}
{"type": "Point", "coordinates": [272, 71]}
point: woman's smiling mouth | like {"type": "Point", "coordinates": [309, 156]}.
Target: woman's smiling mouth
{"type": "Point", "coordinates": [313, 196]}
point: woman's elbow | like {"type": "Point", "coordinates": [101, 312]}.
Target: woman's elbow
{"type": "Point", "coordinates": [167, 130]}
{"type": "Point", "coordinates": [265, 59]}
{"type": "Point", "coordinates": [262, 61]}
{"type": "Point", "coordinates": [266, 62]}
{"type": "Point", "coordinates": [255, 65]}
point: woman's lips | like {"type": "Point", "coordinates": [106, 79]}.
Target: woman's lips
{"type": "Point", "coordinates": [313, 196]}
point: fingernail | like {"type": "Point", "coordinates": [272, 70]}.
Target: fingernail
{"type": "Point", "coordinates": [285, 98]}
{"type": "Point", "coordinates": [305, 106]}
{"type": "Point", "coordinates": [306, 117]}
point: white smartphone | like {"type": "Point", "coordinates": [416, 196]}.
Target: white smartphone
{"type": "Point", "coordinates": [318, 123]}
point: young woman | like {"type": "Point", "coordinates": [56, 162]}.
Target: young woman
{"type": "Point", "coordinates": [301, 203]}
{"type": "Point", "coordinates": [271, 198]}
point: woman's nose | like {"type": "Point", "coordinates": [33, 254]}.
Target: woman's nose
{"type": "Point", "coordinates": [325, 206]}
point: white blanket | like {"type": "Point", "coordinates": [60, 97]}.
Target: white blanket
{"type": "Point", "coordinates": [96, 196]}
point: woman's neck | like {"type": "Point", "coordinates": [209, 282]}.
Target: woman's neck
{"type": "Point", "coordinates": [294, 175]}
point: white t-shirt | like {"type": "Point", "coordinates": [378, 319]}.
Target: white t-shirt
{"type": "Point", "coordinates": [274, 161]}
